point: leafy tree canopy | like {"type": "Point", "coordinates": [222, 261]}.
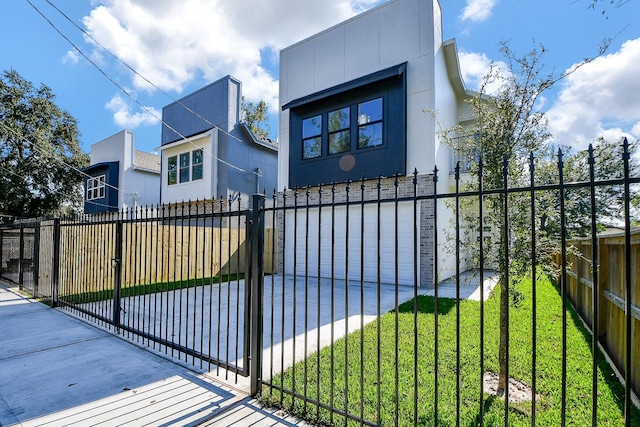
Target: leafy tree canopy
{"type": "Point", "coordinates": [255, 116]}
{"type": "Point", "coordinates": [39, 151]}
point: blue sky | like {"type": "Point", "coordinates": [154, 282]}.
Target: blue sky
{"type": "Point", "coordinates": [181, 46]}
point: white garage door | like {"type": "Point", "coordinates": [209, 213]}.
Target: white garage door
{"type": "Point", "coordinates": [339, 242]}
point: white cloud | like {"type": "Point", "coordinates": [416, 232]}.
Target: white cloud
{"type": "Point", "coordinates": [475, 66]}
{"type": "Point", "coordinates": [478, 10]}
{"type": "Point", "coordinates": [172, 43]}
{"type": "Point", "coordinates": [72, 57]}
{"type": "Point", "coordinates": [126, 119]}
{"type": "Point", "coordinates": [600, 99]}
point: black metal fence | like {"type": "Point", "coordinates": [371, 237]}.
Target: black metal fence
{"type": "Point", "coordinates": [324, 296]}
{"type": "Point", "coordinates": [343, 345]}
{"type": "Point", "coordinates": [169, 277]}
{"type": "Point", "coordinates": [18, 257]}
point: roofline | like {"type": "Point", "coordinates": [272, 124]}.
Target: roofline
{"type": "Point", "coordinates": [187, 139]}
{"type": "Point", "coordinates": [256, 140]}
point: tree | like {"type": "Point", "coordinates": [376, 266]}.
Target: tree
{"type": "Point", "coordinates": [40, 152]}
{"type": "Point", "coordinates": [609, 207]}
{"type": "Point", "coordinates": [255, 116]}
{"type": "Point", "coordinates": [508, 126]}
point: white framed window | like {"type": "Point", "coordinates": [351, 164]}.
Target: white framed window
{"type": "Point", "coordinates": [185, 167]}
{"type": "Point", "coordinates": [96, 187]}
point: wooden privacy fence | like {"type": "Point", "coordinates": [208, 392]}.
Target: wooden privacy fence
{"type": "Point", "coordinates": [151, 252]}
{"type": "Point", "coordinates": [611, 302]}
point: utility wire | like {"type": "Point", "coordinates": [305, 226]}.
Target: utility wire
{"type": "Point", "coordinates": [35, 148]}
{"type": "Point", "coordinates": [146, 109]}
{"type": "Point", "coordinates": [27, 180]}
{"type": "Point", "coordinates": [204, 119]}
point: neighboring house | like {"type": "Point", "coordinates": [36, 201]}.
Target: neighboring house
{"type": "Point", "coordinates": [367, 98]}
{"type": "Point", "coordinates": [120, 177]}
{"type": "Point", "coordinates": [207, 153]}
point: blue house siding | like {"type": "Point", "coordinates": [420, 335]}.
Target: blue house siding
{"type": "Point", "coordinates": [202, 110]}
{"type": "Point", "coordinates": [108, 203]}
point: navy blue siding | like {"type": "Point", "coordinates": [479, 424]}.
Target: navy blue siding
{"type": "Point", "coordinates": [110, 202]}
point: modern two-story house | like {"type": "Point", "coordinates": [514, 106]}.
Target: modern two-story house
{"type": "Point", "coordinates": [121, 177]}
{"type": "Point", "coordinates": [367, 98]}
{"type": "Point", "coordinates": [207, 153]}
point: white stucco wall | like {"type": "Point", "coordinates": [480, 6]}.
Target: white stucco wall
{"type": "Point", "coordinates": [137, 187]}
{"type": "Point", "coordinates": [396, 32]}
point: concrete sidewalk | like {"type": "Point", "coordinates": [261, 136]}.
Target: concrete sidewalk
{"type": "Point", "coordinates": [56, 370]}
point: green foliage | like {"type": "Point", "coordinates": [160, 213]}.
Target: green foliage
{"type": "Point", "coordinates": [256, 117]}
{"type": "Point", "coordinates": [608, 165]}
{"type": "Point", "coordinates": [39, 151]}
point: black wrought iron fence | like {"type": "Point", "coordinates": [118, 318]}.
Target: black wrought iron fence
{"type": "Point", "coordinates": [325, 297]}
{"type": "Point", "coordinates": [18, 256]}
{"type": "Point", "coordinates": [356, 333]}
{"type": "Point", "coordinates": [169, 277]}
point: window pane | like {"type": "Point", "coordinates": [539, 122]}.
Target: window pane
{"type": "Point", "coordinates": [173, 177]}
{"type": "Point", "coordinates": [173, 163]}
{"type": "Point", "coordinates": [90, 183]}
{"type": "Point", "coordinates": [101, 192]}
{"type": "Point", "coordinates": [370, 135]}
{"type": "Point", "coordinates": [197, 157]}
{"type": "Point", "coordinates": [184, 160]}
{"type": "Point", "coordinates": [184, 174]}
{"type": "Point", "coordinates": [311, 127]}
{"type": "Point", "coordinates": [197, 172]}
{"type": "Point", "coordinates": [339, 142]}
{"type": "Point", "coordinates": [339, 119]}
{"type": "Point", "coordinates": [370, 111]}
{"type": "Point", "coordinates": [311, 148]}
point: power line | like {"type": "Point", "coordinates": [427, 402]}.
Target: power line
{"type": "Point", "coordinates": [35, 148]}
{"type": "Point", "coordinates": [146, 109]}
{"type": "Point", "coordinates": [128, 66]}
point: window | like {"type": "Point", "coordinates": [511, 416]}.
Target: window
{"type": "Point", "coordinates": [196, 162]}
{"type": "Point", "coordinates": [353, 130]}
{"type": "Point", "coordinates": [339, 131]}
{"type": "Point", "coordinates": [96, 188]}
{"type": "Point", "coordinates": [185, 167]}
{"type": "Point", "coordinates": [312, 137]}
{"type": "Point", "coordinates": [370, 123]}
{"type": "Point", "coordinates": [337, 136]}
{"type": "Point", "coordinates": [172, 168]}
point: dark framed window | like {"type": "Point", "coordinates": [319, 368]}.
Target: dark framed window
{"type": "Point", "coordinates": [339, 130]}
{"type": "Point", "coordinates": [96, 187]}
{"type": "Point", "coordinates": [370, 123]}
{"type": "Point", "coordinates": [353, 130]}
{"type": "Point", "coordinates": [312, 137]}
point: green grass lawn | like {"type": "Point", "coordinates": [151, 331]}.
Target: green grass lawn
{"type": "Point", "coordinates": [331, 387]}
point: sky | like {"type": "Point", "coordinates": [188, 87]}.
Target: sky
{"type": "Point", "coordinates": [113, 64]}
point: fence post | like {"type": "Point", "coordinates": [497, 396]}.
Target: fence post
{"type": "Point", "coordinates": [256, 282]}
{"type": "Point", "coordinates": [56, 263]}
{"type": "Point", "coordinates": [20, 259]}
{"type": "Point", "coordinates": [116, 263]}
{"type": "Point", "coordinates": [36, 258]}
